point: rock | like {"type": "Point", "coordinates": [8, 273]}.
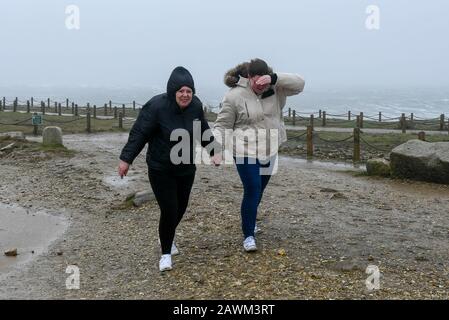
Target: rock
{"type": "Point", "coordinates": [9, 146]}
{"type": "Point", "coordinates": [11, 252]}
{"type": "Point", "coordinates": [378, 167]}
{"type": "Point", "coordinates": [421, 160]}
{"type": "Point", "coordinates": [338, 195]}
{"type": "Point", "coordinates": [52, 136]}
{"type": "Point", "coordinates": [328, 190]}
{"type": "Point", "coordinates": [143, 197]}
{"type": "Point", "coordinates": [282, 252]}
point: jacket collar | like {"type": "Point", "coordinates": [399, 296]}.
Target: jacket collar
{"type": "Point", "coordinates": [243, 82]}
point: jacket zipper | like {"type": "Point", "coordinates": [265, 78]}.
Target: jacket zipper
{"type": "Point", "coordinates": [246, 107]}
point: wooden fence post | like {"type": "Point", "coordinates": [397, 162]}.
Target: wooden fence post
{"type": "Point", "coordinates": [311, 121]}
{"type": "Point", "coordinates": [115, 112]}
{"type": "Point", "coordinates": [403, 123]}
{"type": "Point", "coordinates": [356, 156]}
{"type": "Point", "coordinates": [88, 121]}
{"type": "Point", "coordinates": [76, 110]}
{"type": "Point", "coordinates": [289, 113]}
{"type": "Point", "coordinates": [59, 109]}
{"type": "Point", "coordinates": [134, 105]}
{"type": "Point", "coordinates": [43, 107]}
{"type": "Point", "coordinates": [294, 117]}
{"type": "Point", "coordinates": [357, 122]}
{"type": "Point", "coordinates": [349, 115]}
{"type": "Point", "coordinates": [110, 106]}
{"type": "Point", "coordinates": [361, 120]}
{"type": "Point", "coordinates": [380, 116]}
{"type": "Point", "coordinates": [32, 102]}
{"type": "Point", "coordinates": [319, 114]}
{"type": "Point", "coordinates": [324, 118]}
{"type": "Point", "coordinates": [422, 136]}
{"type": "Point", "coordinates": [14, 106]}
{"type": "Point", "coordinates": [56, 107]}
{"type": "Point", "coordinates": [120, 120]}
{"type": "Point", "coordinates": [4, 103]}
{"type": "Point", "coordinates": [123, 109]}
{"type": "Point", "coordinates": [73, 108]}
{"type": "Point", "coordinates": [1, 106]}
{"type": "Point", "coordinates": [105, 109]}
{"type": "Point", "coordinates": [28, 106]}
{"type": "Point", "coordinates": [309, 141]}
{"type": "Point", "coordinates": [442, 122]}
{"type": "Point", "coordinates": [66, 103]}
{"type": "Point", "coordinates": [95, 111]}
{"type": "Point", "coordinates": [48, 103]}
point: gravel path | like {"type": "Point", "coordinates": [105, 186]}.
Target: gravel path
{"type": "Point", "coordinates": [322, 226]}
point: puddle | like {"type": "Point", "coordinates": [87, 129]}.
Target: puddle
{"type": "Point", "coordinates": [28, 231]}
{"type": "Point", "coordinates": [323, 164]}
{"type": "Point", "coordinates": [116, 181]}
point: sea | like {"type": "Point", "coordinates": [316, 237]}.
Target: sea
{"type": "Point", "coordinates": [423, 102]}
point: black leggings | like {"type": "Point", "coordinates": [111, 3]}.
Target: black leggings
{"type": "Point", "coordinates": [172, 194]}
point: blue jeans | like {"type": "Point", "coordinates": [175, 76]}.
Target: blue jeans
{"type": "Point", "coordinates": [253, 187]}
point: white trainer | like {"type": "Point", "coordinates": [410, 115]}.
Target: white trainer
{"type": "Point", "coordinates": [174, 249]}
{"type": "Point", "coordinates": [249, 244]}
{"type": "Point", "coordinates": [256, 229]}
{"type": "Point", "coordinates": [165, 263]}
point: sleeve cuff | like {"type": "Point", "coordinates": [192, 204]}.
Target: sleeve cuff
{"type": "Point", "coordinates": [274, 78]}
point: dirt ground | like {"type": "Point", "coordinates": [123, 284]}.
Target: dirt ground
{"type": "Point", "coordinates": [321, 226]}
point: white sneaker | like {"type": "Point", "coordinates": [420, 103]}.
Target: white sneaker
{"type": "Point", "coordinates": [256, 229]}
{"type": "Point", "coordinates": [165, 263]}
{"type": "Point", "coordinates": [174, 249]}
{"type": "Point", "coordinates": [249, 244]}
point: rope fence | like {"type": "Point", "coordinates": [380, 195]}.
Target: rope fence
{"type": "Point", "coordinates": [358, 140]}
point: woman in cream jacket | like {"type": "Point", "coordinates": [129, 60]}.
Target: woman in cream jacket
{"type": "Point", "coordinates": [251, 114]}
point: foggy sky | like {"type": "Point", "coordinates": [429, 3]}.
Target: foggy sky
{"type": "Point", "coordinates": [138, 43]}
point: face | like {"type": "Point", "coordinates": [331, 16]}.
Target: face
{"type": "Point", "coordinates": [184, 96]}
{"type": "Point", "coordinates": [258, 89]}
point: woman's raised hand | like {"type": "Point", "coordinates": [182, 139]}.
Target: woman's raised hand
{"type": "Point", "coordinates": [264, 80]}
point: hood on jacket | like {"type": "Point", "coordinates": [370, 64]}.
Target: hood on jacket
{"type": "Point", "coordinates": [232, 77]}
{"type": "Point", "coordinates": [179, 77]}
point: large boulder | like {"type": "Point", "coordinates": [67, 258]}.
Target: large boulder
{"type": "Point", "coordinates": [378, 167]}
{"type": "Point", "coordinates": [142, 197]}
{"type": "Point", "coordinates": [52, 136]}
{"type": "Point", "coordinates": [421, 160]}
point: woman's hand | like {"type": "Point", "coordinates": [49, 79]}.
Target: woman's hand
{"type": "Point", "coordinates": [123, 168]}
{"type": "Point", "coordinates": [264, 80]}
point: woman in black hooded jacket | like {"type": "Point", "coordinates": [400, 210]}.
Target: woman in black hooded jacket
{"type": "Point", "coordinates": [178, 108]}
